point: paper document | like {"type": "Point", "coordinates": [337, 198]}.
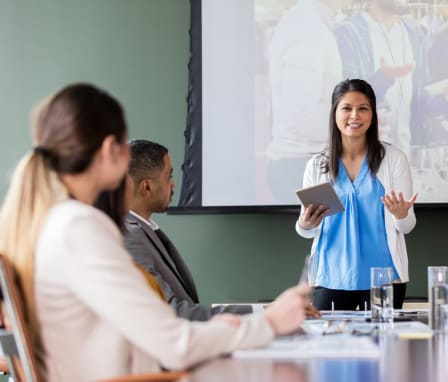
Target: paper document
{"type": "Point", "coordinates": [312, 346]}
{"type": "Point", "coordinates": [345, 314]}
{"type": "Point", "coordinates": [358, 325]}
{"type": "Point", "coordinates": [412, 330]}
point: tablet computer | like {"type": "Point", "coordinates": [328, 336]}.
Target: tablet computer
{"type": "Point", "coordinates": [321, 194]}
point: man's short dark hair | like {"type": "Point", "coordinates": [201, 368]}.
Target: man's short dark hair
{"type": "Point", "coordinates": [147, 158]}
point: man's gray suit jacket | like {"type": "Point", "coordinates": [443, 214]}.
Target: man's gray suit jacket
{"type": "Point", "coordinates": [158, 255]}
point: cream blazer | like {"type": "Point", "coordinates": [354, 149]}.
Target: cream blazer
{"type": "Point", "coordinates": [99, 318]}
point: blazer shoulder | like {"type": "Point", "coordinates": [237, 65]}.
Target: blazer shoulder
{"type": "Point", "coordinates": [130, 219]}
{"type": "Point", "coordinates": [134, 226]}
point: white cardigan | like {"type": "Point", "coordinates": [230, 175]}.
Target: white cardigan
{"type": "Point", "coordinates": [394, 174]}
{"type": "Point", "coordinates": [99, 318]}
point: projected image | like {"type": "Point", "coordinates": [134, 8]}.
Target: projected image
{"type": "Point", "coordinates": [304, 47]}
{"type": "Point", "coordinates": [268, 69]}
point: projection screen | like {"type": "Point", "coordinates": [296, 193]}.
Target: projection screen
{"type": "Point", "coordinates": [261, 77]}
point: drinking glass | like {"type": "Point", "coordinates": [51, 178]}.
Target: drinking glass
{"type": "Point", "coordinates": [381, 294]}
{"type": "Point", "coordinates": [438, 298]}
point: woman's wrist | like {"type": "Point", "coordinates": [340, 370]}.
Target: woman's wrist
{"type": "Point", "coordinates": [401, 215]}
{"type": "Point", "coordinates": [304, 225]}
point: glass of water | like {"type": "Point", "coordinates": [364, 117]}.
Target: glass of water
{"type": "Point", "coordinates": [381, 294]}
{"type": "Point", "coordinates": [438, 298]}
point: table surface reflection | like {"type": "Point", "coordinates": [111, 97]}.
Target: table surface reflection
{"type": "Point", "coordinates": [423, 360]}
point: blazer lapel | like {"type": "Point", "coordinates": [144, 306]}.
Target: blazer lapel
{"type": "Point", "coordinates": [181, 267]}
{"type": "Point", "coordinates": [172, 259]}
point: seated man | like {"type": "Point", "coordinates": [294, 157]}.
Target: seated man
{"type": "Point", "coordinates": [151, 171]}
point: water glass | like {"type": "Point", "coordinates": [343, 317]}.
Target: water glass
{"type": "Point", "coordinates": [438, 298]}
{"type": "Point", "coordinates": [381, 294]}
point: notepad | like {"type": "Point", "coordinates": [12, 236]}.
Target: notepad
{"type": "Point", "coordinates": [311, 346]}
{"type": "Point", "coordinates": [321, 194]}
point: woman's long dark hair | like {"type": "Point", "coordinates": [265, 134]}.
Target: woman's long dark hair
{"type": "Point", "coordinates": [375, 150]}
{"type": "Point", "coordinates": [113, 204]}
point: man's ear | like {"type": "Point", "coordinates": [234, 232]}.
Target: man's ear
{"type": "Point", "coordinates": [145, 186]}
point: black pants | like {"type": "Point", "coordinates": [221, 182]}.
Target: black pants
{"type": "Point", "coordinates": [351, 299]}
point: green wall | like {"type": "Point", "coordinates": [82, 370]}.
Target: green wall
{"type": "Point", "coordinates": [138, 50]}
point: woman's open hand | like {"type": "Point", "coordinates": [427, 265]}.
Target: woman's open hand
{"type": "Point", "coordinates": [396, 205]}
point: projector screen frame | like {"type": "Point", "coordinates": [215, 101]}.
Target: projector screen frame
{"type": "Point", "coordinates": [190, 198]}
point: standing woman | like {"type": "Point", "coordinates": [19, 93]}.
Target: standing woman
{"type": "Point", "coordinates": [373, 181]}
{"type": "Point", "coordinates": [91, 313]}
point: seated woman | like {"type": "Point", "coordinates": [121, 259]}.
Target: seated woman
{"type": "Point", "coordinates": [82, 291]}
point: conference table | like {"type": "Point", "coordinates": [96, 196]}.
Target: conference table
{"type": "Point", "coordinates": [420, 359]}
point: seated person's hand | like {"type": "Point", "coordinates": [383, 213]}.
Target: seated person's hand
{"type": "Point", "coordinates": [287, 312]}
{"type": "Point", "coordinates": [311, 311]}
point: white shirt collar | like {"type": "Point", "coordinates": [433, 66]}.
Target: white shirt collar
{"type": "Point", "coordinates": [152, 224]}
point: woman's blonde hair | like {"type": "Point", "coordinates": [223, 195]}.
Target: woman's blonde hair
{"type": "Point", "coordinates": [67, 128]}
{"type": "Point", "coordinates": [32, 192]}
